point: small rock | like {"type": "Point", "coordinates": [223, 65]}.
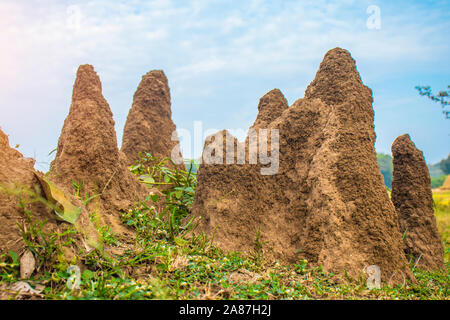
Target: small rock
{"type": "Point", "coordinates": [27, 265]}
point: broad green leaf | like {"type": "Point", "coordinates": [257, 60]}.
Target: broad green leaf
{"type": "Point", "coordinates": [64, 208]}
{"type": "Point", "coordinates": [147, 179]}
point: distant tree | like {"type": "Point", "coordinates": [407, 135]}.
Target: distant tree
{"type": "Point", "coordinates": [445, 165]}
{"type": "Point", "coordinates": [438, 182]}
{"type": "Point", "coordinates": [442, 97]}
{"type": "Point", "coordinates": [385, 163]}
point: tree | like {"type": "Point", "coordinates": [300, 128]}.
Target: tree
{"type": "Point", "coordinates": [442, 98]}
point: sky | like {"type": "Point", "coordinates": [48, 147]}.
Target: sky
{"type": "Point", "coordinates": [220, 57]}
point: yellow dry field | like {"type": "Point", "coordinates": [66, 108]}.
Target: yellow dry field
{"type": "Point", "coordinates": [442, 212]}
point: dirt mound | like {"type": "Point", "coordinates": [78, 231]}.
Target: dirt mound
{"type": "Point", "coordinates": [88, 155]}
{"type": "Point", "coordinates": [15, 173]}
{"type": "Point", "coordinates": [270, 107]}
{"type": "Point", "coordinates": [327, 202]}
{"type": "Point", "coordinates": [413, 200]}
{"type": "Point", "coordinates": [149, 126]}
{"type": "Point", "coordinates": [18, 178]}
{"type": "Point", "coordinates": [446, 185]}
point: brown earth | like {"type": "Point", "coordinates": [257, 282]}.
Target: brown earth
{"type": "Point", "coordinates": [88, 154]}
{"type": "Point", "coordinates": [413, 200]}
{"type": "Point", "coordinates": [18, 177]}
{"type": "Point", "coordinates": [270, 107]}
{"type": "Point", "coordinates": [149, 126]}
{"type": "Point", "coordinates": [327, 203]}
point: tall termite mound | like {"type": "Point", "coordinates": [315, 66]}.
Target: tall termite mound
{"type": "Point", "coordinates": [325, 201]}
{"type": "Point", "coordinates": [88, 154]}
{"type": "Point", "coordinates": [20, 188]}
{"type": "Point", "coordinates": [413, 200]}
{"type": "Point", "coordinates": [149, 126]}
{"type": "Point", "coordinates": [270, 107]}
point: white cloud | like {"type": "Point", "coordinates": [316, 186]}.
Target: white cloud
{"type": "Point", "coordinates": [232, 22]}
{"type": "Point", "coordinates": [157, 35]}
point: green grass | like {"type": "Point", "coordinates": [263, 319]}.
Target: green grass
{"type": "Point", "coordinates": [165, 262]}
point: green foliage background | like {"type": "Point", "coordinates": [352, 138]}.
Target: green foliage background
{"type": "Point", "coordinates": [437, 173]}
{"type": "Point", "coordinates": [386, 168]}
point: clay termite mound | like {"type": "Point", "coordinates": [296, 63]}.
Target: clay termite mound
{"type": "Point", "coordinates": [24, 202]}
{"type": "Point", "coordinates": [149, 126]}
{"type": "Point", "coordinates": [320, 196]}
{"type": "Point", "coordinates": [413, 200]}
{"type": "Point", "coordinates": [270, 107]}
{"type": "Point", "coordinates": [16, 174]}
{"type": "Point", "coordinates": [88, 154]}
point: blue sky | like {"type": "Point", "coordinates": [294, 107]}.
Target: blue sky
{"type": "Point", "coordinates": [220, 57]}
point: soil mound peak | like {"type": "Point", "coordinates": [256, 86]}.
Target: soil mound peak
{"type": "Point", "coordinates": [87, 83]}
{"type": "Point", "coordinates": [413, 200]}
{"type": "Point", "coordinates": [88, 154]}
{"type": "Point", "coordinates": [337, 79]}
{"type": "Point", "coordinates": [270, 107]}
{"type": "Point", "coordinates": [149, 126]}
